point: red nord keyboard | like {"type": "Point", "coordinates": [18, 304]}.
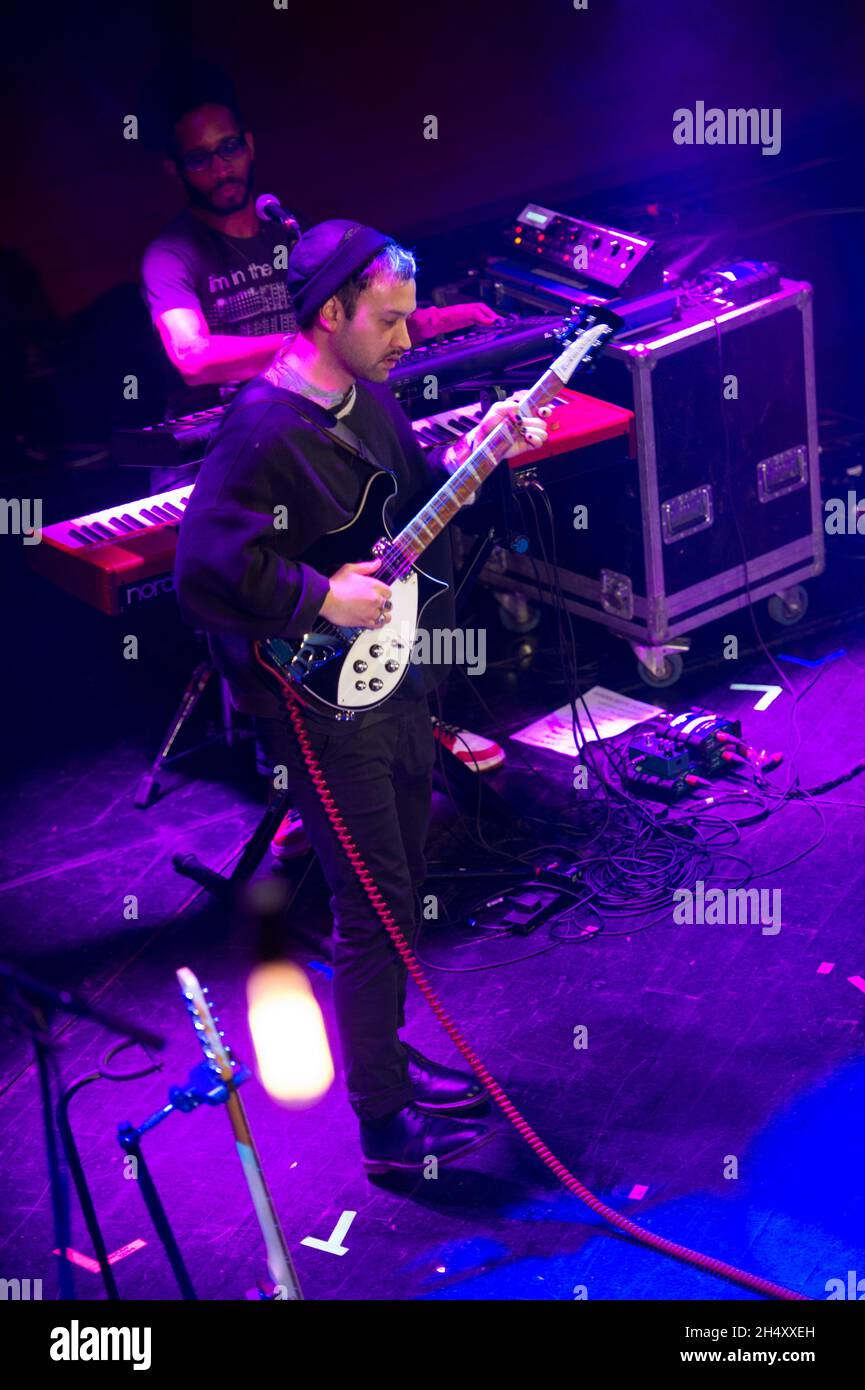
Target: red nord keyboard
{"type": "Point", "coordinates": [123, 556]}
{"type": "Point", "coordinates": [117, 558]}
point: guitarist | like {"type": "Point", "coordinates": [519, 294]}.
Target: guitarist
{"type": "Point", "coordinates": [275, 481]}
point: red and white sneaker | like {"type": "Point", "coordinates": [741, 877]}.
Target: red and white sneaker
{"type": "Point", "coordinates": [474, 751]}
{"type": "Point", "coordinates": [290, 840]}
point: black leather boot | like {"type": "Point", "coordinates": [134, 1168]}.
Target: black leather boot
{"type": "Point", "coordinates": [439, 1088]}
{"type": "Point", "coordinates": [406, 1140]}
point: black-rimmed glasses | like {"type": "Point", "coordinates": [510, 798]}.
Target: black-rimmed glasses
{"type": "Point", "coordinates": [197, 161]}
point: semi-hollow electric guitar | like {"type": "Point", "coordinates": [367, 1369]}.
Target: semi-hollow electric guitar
{"type": "Point", "coordinates": [340, 671]}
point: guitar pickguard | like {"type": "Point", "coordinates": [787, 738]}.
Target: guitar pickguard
{"type": "Point", "coordinates": [346, 671]}
{"type": "Point", "coordinates": [378, 658]}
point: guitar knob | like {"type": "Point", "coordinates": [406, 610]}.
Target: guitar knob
{"type": "Point", "coordinates": [360, 685]}
{"type": "Point", "coordinates": [360, 666]}
{"type": "Point", "coordinates": [375, 651]}
{"type": "Point", "coordinates": [391, 665]}
{"type": "Point", "coordinates": [376, 684]}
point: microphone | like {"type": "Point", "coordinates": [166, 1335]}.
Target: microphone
{"type": "Point", "coordinates": [268, 207]}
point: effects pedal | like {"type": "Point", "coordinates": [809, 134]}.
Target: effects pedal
{"type": "Point", "coordinates": [704, 736]}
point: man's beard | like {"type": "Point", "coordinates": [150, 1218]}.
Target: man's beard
{"type": "Point", "coordinates": [201, 200]}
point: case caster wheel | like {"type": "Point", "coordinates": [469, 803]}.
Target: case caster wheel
{"type": "Point", "coordinates": [790, 606]}
{"type": "Point", "coordinates": [524, 652]}
{"type": "Point", "coordinates": [516, 615]}
{"type": "Point", "coordinates": [668, 671]}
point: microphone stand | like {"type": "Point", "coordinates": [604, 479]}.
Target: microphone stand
{"type": "Point", "coordinates": [29, 1006]}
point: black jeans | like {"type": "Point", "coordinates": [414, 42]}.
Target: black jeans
{"type": "Point", "coordinates": [380, 776]}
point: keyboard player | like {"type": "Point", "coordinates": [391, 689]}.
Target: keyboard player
{"type": "Point", "coordinates": [215, 278]}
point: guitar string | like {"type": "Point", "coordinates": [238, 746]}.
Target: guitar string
{"type": "Point", "coordinates": [539, 395]}
{"type": "Point", "coordinates": [404, 562]}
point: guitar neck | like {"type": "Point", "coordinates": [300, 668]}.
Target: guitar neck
{"type": "Point", "coordinates": [279, 1261]}
{"type": "Point", "coordinates": [431, 520]}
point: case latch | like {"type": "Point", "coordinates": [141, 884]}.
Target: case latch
{"type": "Point", "coordinates": [617, 594]}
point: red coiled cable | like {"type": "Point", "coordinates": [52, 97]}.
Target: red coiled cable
{"type": "Point", "coordinates": [534, 1141]}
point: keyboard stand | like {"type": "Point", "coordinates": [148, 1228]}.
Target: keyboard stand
{"type": "Point", "coordinates": [148, 789]}
{"type": "Point", "coordinates": [222, 886]}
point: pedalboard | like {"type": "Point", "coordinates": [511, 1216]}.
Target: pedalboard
{"type": "Point", "coordinates": [520, 910]}
{"type": "Point", "coordinates": [705, 736]}
{"type": "Point", "coordinates": [669, 762]}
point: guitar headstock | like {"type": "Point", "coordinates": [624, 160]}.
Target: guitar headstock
{"type": "Point", "coordinates": [582, 336]}
{"type": "Point", "coordinates": [218, 1054]}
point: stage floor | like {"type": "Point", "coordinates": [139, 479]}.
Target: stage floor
{"type": "Point", "coordinates": [711, 1049]}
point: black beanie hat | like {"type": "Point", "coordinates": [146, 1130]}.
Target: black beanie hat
{"type": "Point", "coordinates": [325, 257]}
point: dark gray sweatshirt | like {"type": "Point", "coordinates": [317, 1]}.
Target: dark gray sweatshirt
{"type": "Point", "coordinates": [240, 578]}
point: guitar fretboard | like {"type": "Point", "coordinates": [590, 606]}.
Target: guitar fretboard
{"type": "Point", "coordinates": [431, 520]}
